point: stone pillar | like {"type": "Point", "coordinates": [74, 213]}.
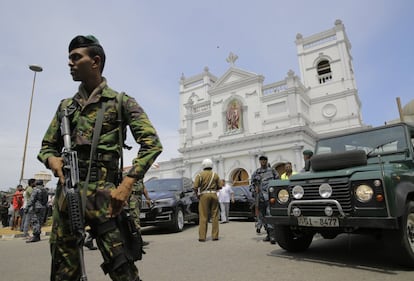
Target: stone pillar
{"type": "Point", "coordinates": [298, 164]}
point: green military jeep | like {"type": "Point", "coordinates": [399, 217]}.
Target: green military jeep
{"type": "Point", "coordinates": [360, 182]}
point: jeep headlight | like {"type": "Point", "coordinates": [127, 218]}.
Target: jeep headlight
{"type": "Point", "coordinates": [325, 190]}
{"type": "Point", "coordinates": [364, 193]}
{"type": "Point", "coordinates": [297, 192]}
{"type": "Point", "coordinates": [283, 196]}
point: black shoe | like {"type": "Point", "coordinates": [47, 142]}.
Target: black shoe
{"type": "Point", "coordinates": [257, 230]}
{"type": "Point", "coordinates": [272, 240]}
{"type": "Point", "coordinates": [90, 245]}
{"type": "Point", "coordinates": [266, 239]}
{"type": "Point", "coordinates": [145, 243]}
{"type": "Point", "coordinates": [35, 238]}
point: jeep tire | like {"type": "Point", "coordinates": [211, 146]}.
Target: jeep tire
{"type": "Point", "coordinates": [292, 241]}
{"type": "Point", "coordinates": [400, 242]}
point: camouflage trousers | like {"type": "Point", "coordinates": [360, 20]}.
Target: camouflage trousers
{"type": "Point", "coordinates": [134, 205]}
{"type": "Point", "coordinates": [36, 220]}
{"type": "Point", "coordinates": [65, 247]}
{"type": "Point", "coordinates": [264, 210]}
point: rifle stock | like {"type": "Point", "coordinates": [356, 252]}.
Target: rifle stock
{"type": "Point", "coordinates": [71, 190]}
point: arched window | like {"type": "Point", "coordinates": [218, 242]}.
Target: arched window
{"type": "Point", "coordinates": [324, 71]}
{"type": "Point", "coordinates": [240, 177]}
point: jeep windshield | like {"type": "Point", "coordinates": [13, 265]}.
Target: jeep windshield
{"type": "Point", "coordinates": [381, 141]}
{"type": "Point", "coordinates": [160, 185]}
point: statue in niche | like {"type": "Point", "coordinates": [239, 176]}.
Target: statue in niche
{"type": "Point", "coordinates": [233, 115]}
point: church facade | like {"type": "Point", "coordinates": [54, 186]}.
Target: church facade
{"type": "Point", "coordinates": [235, 118]}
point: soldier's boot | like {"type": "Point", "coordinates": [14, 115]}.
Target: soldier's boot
{"type": "Point", "coordinates": [272, 236]}
{"type": "Point", "coordinates": [89, 243]}
{"type": "Point", "coordinates": [35, 238]}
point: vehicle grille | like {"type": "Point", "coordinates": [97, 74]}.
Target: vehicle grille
{"type": "Point", "coordinates": [340, 191]}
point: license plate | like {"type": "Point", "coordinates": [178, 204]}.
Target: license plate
{"type": "Point", "coordinates": [318, 221]}
{"type": "Point", "coordinates": [142, 215]}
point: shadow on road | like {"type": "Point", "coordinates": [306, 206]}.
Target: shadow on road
{"type": "Point", "coordinates": [351, 251]}
{"type": "Point", "coordinates": [158, 230]}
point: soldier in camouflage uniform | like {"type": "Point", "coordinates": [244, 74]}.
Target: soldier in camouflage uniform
{"type": "Point", "coordinates": [105, 198]}
{"type": "Point", "coordinates": [36, 210]}
{"type": "Point", "coordinates": [260, 181]}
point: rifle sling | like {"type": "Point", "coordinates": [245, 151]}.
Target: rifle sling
{"type": "Point", "coordinates": [121, 133]}
{"type": "Point", "coordinates": [92, 157]}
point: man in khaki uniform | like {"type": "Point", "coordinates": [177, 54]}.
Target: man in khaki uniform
{"type": "Point", "coordinates": [206, 185]}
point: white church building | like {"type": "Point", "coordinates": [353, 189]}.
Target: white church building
{"type": "Point", "coordinates": [235, 118]}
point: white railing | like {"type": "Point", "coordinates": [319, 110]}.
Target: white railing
{"type": "Point", "coordinates": [201, 108]}
{"type": "Point", "coordinates": [274, 89]}
{"type": "Point", "coordinates": [325, 78]}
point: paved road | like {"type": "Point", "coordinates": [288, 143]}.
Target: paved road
{"type": "Point", "coordinates": [239, 255]}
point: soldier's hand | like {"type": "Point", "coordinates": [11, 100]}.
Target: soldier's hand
{"type": "Point", "coordinates": [56, 165]}
{"type": "Point", "coordinates": [120, 196]}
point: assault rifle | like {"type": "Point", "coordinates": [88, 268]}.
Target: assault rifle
{"type": "Point", "coordinates": [71, 190]}
{"type": "Point", "coordinates": [256, 186]}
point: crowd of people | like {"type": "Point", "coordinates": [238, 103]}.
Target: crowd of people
{"type": "Point", "coordinates": [27, 209]}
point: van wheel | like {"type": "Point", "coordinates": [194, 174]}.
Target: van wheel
{"type": "Point", "coordinates": [178, 220]}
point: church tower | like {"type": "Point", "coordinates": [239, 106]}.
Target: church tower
{"type": "Point", "coordinates": [325, 64]}
{"type": "Point", "coordinates": [236, 117]}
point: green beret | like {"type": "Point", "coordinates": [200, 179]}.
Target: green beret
{"type": "Point", "coordinates": [81, 41]}
{"type": "Point", "coordinates": [308, 152]}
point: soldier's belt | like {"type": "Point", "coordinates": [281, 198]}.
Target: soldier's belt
{"type": "Point", "coordinates": [97, 174]}
{"type": "Point", "coordinates": [100, 156]}
{"type": "Point", "coordinates": [208, 191]}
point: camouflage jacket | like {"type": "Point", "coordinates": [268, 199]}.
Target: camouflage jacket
{"type": "Point", "coordinates": [82, 122]}
{"type": "Point", "coordinates": [34, 200]}
{"type": "Point", "coordinates": [263, 175]}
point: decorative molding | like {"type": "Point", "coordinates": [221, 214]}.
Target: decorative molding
{"type": "Point", "coordinates": [201, 136]}
{"type": "Point", "coordinates": [217, 102]}
{"type": "Point", "coordinates": [329, 110]}
{"type": "Point", "coordinates": [254, 93]}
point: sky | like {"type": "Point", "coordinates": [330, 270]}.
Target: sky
{"type": "Point", "coordinates": [150, 44]}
